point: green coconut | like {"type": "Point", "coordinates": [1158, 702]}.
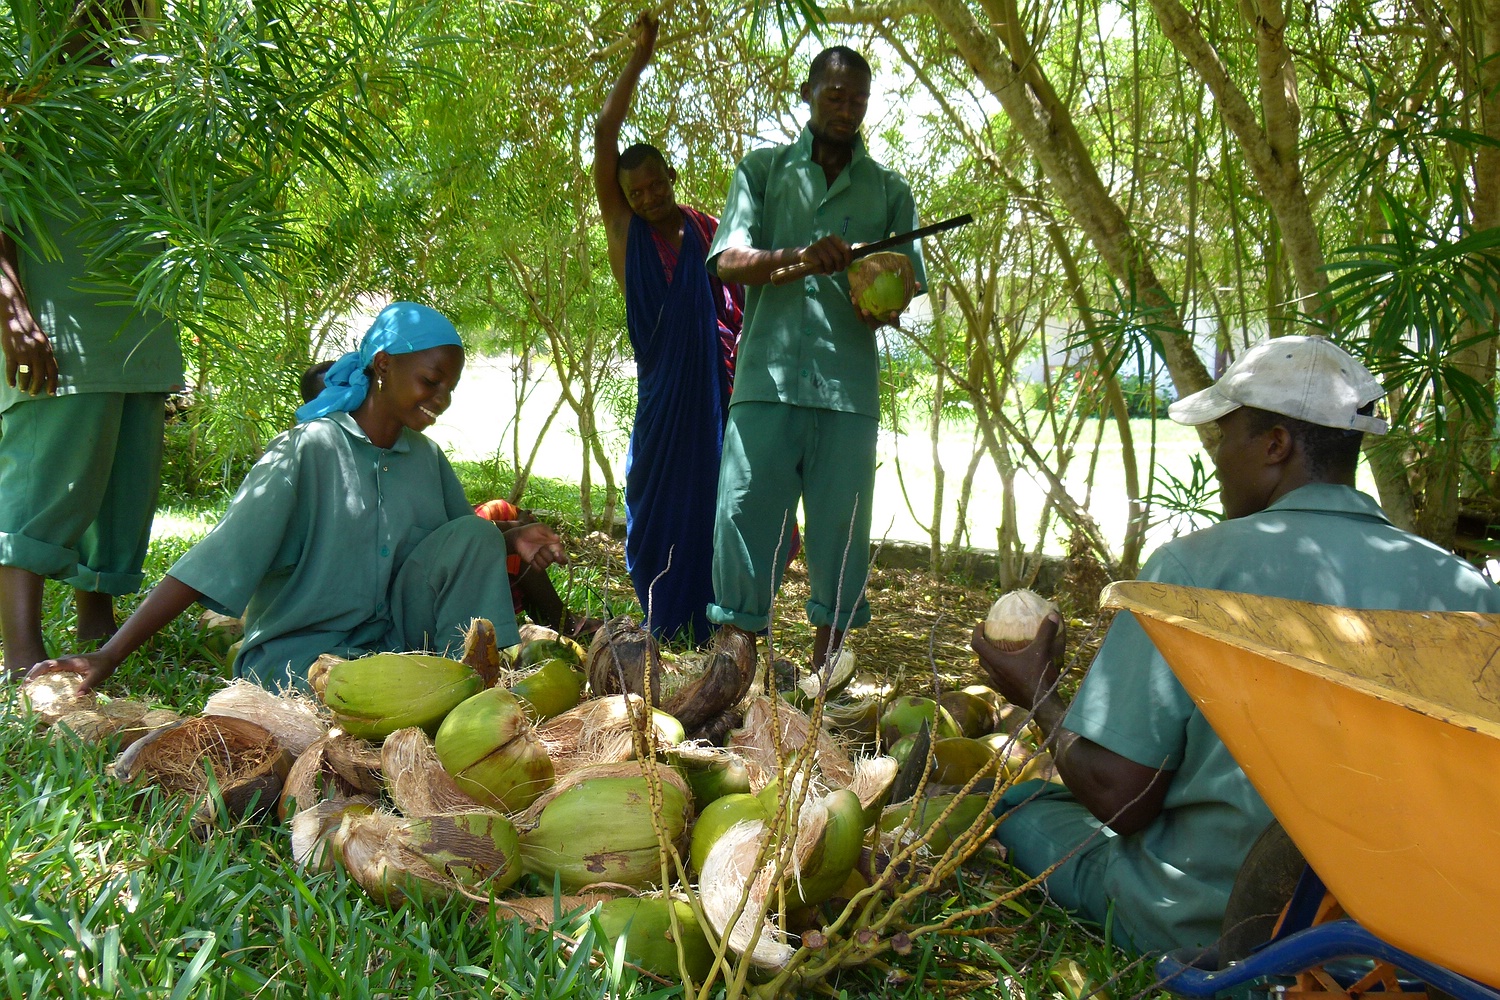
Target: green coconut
{"type": "Point", "coordinates": [489, 748]}
{"type": "Point", "coordinates": [878, 283]}
{"type": "Point", "coordinates": [904, 717]}
{"type": "Point", "coordinates": [374, 696]}
{"type": "Point", "coordinates": [538, 651]}
{"type": "Point", "coordinates": [929, 817]}
{"type": "Point", "coordinates": [555, 686]}
{"type": "Point", "coordinates": [646, 927]}
{"type": "Point", "coordinates": [974, 715]}
{"type": "Point", "coordinates": [717, 817]}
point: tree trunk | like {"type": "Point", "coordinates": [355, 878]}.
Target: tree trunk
{"type": "Point", "coordinates": [1007, 66]}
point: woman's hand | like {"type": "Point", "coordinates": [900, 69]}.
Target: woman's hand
{"type": "Point", "coordinates": [537, 545]}
{"type": "Point", "coordinates": [95, 668]}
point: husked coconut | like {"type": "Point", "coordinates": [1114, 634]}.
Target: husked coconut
{"type": "Point", "coordinates": [1014, 619]}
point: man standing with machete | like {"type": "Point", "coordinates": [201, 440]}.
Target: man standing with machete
{"type": "Point", "coordinates": [684, 324]}
{"type": "Point", "coordinates": [803, 417]}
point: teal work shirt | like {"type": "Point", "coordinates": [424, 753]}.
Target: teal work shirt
{"type": "Point", "coordinates": [100, 347]}
{"type": "Point", "coordinates": [309, 546]}
{"type": "Point", "coordinates": [802, 342]}
{"type": "Point", "coordinates": [1322, 543]}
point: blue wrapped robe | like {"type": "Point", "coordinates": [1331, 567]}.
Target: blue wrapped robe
{"type": "Point", "coordinates": [672, 469]}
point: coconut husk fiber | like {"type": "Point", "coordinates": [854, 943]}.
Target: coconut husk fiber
{"type": "Point", "coordinates": [481, 651]}
{"type": "Point", "coordinates": [336, 766]}
{"type": "Point", "coordinates": [247, 764]}
{"type": "Point", "coordinates": [415, 779]}
{"type": "Point", "coordinates": [723, 683]}
{"type": "Point", "coordinates": [598, 731]}
{"type": "Point", "coordinates": [294, 720]}
{"type": "Point", "coordinates": [52, 696]}
{"type": "Point", "coordinates": [757, 741]}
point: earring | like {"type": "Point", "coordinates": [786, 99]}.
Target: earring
{"type": "Point", "coordinates": [380, 383]}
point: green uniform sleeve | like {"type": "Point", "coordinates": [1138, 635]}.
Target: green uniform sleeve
{"type": "Point", "coordinates": [1130, 702]}
{"type": "Point", "coordinates": [454, 502]}
{"type": "Point", "coordinates": [740, 222]}
{"type": "Point", "coordinates": [246, 546]}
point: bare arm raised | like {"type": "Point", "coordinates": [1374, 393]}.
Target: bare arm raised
{"type": "Point", "coordinates": [612, 204]}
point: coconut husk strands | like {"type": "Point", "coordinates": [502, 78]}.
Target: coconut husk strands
{"type": "Point", "coordinates": [772, 735]}
{"type": "Point", "coordinates": [338, 766]}
{"type": "Point", "coordinates": [313, 829]}
{"type": "Point", "coordinates": [394, 858]}
{"type": "Point", "coordinates": [52, 696]}
{"type": "Point", "coordinates": [601, 731]}
{"type": "Point", "coordinates": [292, 719]}
{"type": "Point", "coordinates": [415, 779]}
{"type": "Point", "coordinates": [245, 762]}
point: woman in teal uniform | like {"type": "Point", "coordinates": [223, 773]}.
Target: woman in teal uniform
{"type": "Point", "coordinates": [351, 534]}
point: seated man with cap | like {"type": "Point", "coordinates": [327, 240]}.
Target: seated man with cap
{"type": "Point", "coordinates": [1155, 817]}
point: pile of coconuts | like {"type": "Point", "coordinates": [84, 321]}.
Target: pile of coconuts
{"type": "Point", "coordinates": [497, 775]}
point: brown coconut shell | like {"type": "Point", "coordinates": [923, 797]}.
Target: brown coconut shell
{"type": "Point", "coordinates": [724, 682]}
{"type": "Point", "coordinates": [293, 719]}
{"type": "Point", "coordinates": [624, 659]}
{"type": "Point", "coordinates": [247, 763]}
{"type": "Point", "coordinates": [757, 742]}
{"type": "Point", "coordinates": [337, 766]}
{"type": "Point", "coordinates": [52, 696]}
{"type": "Point", "coordinates": [415, 779]}
{"type": "Point", "coordinates": [481, 650]}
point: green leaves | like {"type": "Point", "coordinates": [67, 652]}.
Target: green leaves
{"type": "Point", "coordinates": [1416, 299]}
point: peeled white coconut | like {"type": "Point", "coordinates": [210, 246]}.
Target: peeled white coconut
{"type": "Point", "coordinates": [1014, 619]}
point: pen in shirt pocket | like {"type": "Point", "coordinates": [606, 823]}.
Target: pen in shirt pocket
{"type": "Point", "coordinates": [845, 231]}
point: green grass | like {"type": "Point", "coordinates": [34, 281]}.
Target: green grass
{"type": "Point", "coordinates": [106, 892]}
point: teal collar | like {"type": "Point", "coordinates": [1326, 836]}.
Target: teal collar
{"type": "Point", "coordinates": [352, 428]}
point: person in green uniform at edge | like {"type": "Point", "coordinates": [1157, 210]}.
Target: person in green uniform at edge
{"type": "Point", "coordinates": [351, 534]}
{"type": "Point", "coordinates": [804, 413]}
{"type": "Point", "coordinates": [1156, 815]}
{"type": "Point", "coordinates": [82, 411]}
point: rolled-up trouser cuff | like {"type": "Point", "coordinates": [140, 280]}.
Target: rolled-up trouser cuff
{"type": "Point", "coordinates": [41, 558]}
{"type": "Point", "coordinates": [821, 614]}
{"type": "Point", "coordinates": [114, 584]}
{"type": "Point", "coordinates": [720, 615]}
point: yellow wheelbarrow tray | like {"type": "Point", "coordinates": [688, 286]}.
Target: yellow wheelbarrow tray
{"type": "Point", "coordinates": [1374, 738]}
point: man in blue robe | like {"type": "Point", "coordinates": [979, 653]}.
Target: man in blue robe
{"type": "Point", "coordinates": [684, 324]}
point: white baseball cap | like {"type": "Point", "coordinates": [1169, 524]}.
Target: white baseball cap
{"type": "Point", "coordinates": [1307, 378]}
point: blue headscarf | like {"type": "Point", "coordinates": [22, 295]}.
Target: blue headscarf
{"type": "Point", "coordinates": [401, 328]}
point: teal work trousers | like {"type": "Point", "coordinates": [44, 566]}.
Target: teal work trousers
{"type": "Point", "coordinates": [79, 477]}
{"type": "Point", "coordinates": [775, 456]}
